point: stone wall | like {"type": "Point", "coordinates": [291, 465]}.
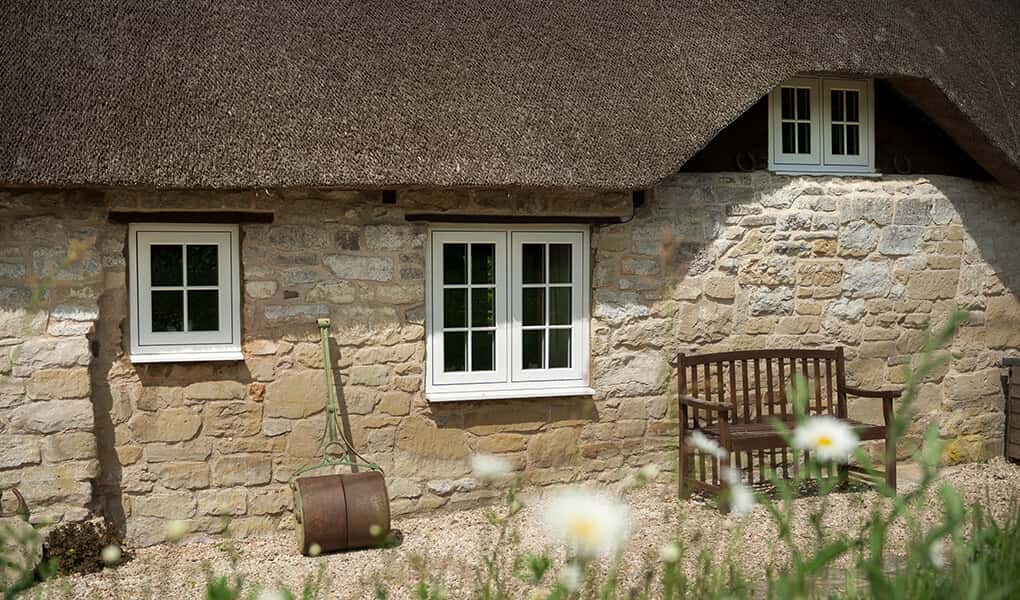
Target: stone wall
{"type": "Point", "coordinates": [709, 262]}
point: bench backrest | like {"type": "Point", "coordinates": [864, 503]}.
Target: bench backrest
{"type": "Point", "coordinates": [758, 383]}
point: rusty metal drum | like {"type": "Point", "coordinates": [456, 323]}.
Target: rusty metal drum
{"type": "Point", "coordinates": [341, 512]}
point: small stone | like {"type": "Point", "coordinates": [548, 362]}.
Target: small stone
{"type": "Point", "coordinates": [53, 416]}
{"type": "Point", "coordinates": [260, 290]}
{"type": "Point", "coordinates": [900, 240]}
{"type": "Point", "coordinates": [242, 469]}
{"type": "Point", "coordinates": [720, 288]}
{"type": "Point", "coordinates": [69, 446]}
{"type": "Point", "coordinates": [169, 425]}
{"type": "Point", "coordinates": [216, 390]}
{"type": "Point", "coordinates": [858, 239]}
{"type": "Point", "coordinates": [56, 384]}
{"type": "Point", "coordinates": [182, 475]}
{"type": "Point", "coordinates": [166, 505]}
{"type": "Point", "coordinates": [332, 292]}
{"type": "Point", "coordinates": [223, 503]}
{"type": "Point", "coordinates": [764, 301]}
{"type": "Point", "coordinates": [239, 419]}
{"type": "Point", "coordinates": [867, 279]}
{"type": "Point", "coordinates": [353, 266]}
{"type": "Point", "coordinates": [18, 450]}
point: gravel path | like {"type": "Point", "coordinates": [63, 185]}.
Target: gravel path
{"type": "Point", "coordinates": [451, 543]}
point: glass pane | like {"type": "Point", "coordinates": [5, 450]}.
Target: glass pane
{"type": "Point", "coordinates": [837, 139]}
{"type": "Point", "coordinates": [455, 307]}
{"type": "Point", "coordinates": [534, 263]}
{"type": "Point", "coordinates": [559, 306]}
{"type": "Point", "coordinates": [202, 265]}
{"type": "Point", "coordinates": [454, 351]}
{"type": "Point", "coordinates": [168, 311]}
{"type": "Point", "coordinates": [803, 138]}
{"type": "Point", "coordinates": [533, 348]}
{"type": "Point", "coordinates": [483, 307]}
{"type": "Point", "coordinates": [787, 102]}
{"type": "Point", "coordinates": [167, 264]}
{"type": "Point", "coordinates": [803, 104]}
{"type": "Point", "coordinates": [836, 97]}
{"type": "Point", "coordinates": [203, 310]}
{"type": "Point", "coordinates": [483, 350]}
{"type": "Point", "coordinates": [853, 140]}
{"type": "Point", "coordinates": [789, 143]}
{"type": "Point", "coordinates": [454, 263]}
{"type": "Point", "coordinates": [852, 108]}
{"type": "Point", "coordinates": [559, 263]}
{"type": "Point", "coordinates": [483, 263]}
{"type": "Point", "coordinates": [534, 306]}
{"type": "Point", "coordinates": [559, 348]}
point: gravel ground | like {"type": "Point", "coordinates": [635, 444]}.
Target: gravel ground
{"type": "Point", "coordinates": [450, 544]}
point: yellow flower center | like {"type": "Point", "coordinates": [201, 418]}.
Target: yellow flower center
{"type": "Point", "coordinates": [823, 441]}
{"type": "Point", "coordinates": [583, 529]}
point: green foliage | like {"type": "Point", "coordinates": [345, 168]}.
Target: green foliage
{"type": "Point", "coordinates": [76, 548]}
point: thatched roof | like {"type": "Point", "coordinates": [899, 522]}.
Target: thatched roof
{"type": "Point", "coordinates": [603, 94]}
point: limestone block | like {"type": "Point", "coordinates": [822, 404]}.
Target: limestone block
{"type": "Point", "coordinates": [12, 391]}
{"type": "Point", "coordinates": [933, 285]}
{"type": "Point", "coordinates": [400, 293]}
{"type": "Point", "coordinates": [260, 290]}
{"type": "Point", "coordinates": [296, 312]}
{"type": "Point", "coordinates": [418, 436]}
{"type": "Point", "coordinates": [216, 390]}
{"type": "Point", "coordinates": [182, 475]}
{"type": "Point", "coordinates": [154, 398]}
{"type": "Point", "coordinates": [295, 395]}
{"type": "Point", "coordinates": [166, 505]}
{"type": "Point", "coordinates": [858, 239]}
{"type": "Point", "coordinates": [498, 443]}
{"type": "Point", "coordinates": [53, 416]}
{"type": "Point", "coordinates": [913, 211]}
{"type": "Point", "coordinates": [396, 403]}
{"type": "Point", "coordinates": [69, 446]}
{"type": "Point", "coordinates": [819, 272]}
{"type": "Point", "coordinates": [305, 437]}
{"type": "Point", "coordinates": [242, 469]}
{"type": "Point", "coordinates": [394, 237]}
{"type": "Point", "coordinates": [771, 271]}
{"type": "Point", "coordinates": [332, 292]}
{"type": "Point", "coordinates": [231, 419]}
{"type": "Point", "coordinates": [764, 301]}
{"type": "Point", "coordinates": [18, 450]}
{"type": "Point", "coordinates": [354, 266]}
{"type": "Point", "coordinates": [876, 210]}
{"type": "Point", "coordinates": [270, 502]}
{"type": "Point", "coordinates": [720, 288]}
{"type": "Point", "coordinates": [48, 353]}
{"type": "Point", "coordinates": [1003, 317]}
{"type": "Point", "coordinates": [169, 425]}
{"type": "Point", "coordinates": [867, 279]}
{"type": "Point", "coordinates": [553, 448]}
{"type": "Point", "coordinates": [630, 373]}
{"type": "Point", "coordinates": [369, 375]}
{"type": "Point", "coordinates": [199, 449]}
{"type": "Point", "coordinates": [901, 240]}
{"type": "Point", "coordinates": [222, 503]}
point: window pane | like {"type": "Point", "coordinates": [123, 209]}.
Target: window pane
{"type": "Point", "coordinates": [787, 102]}
{"type": "Point", "coordinates": [803, 103]}
{"type": "Point", "coordinates": [167, 264]}
{"type": "Point", "coordinates": [483, 263]}
{"type": "Point", "coordinates": [454, 263]}
{"type": "Point", "coordinates": [483, 350]}
{"type": "Point", "coordinates": [483, 307]}
{"type": "Point", "coordinates": [837, 139]}
{"type": "Point", "coordinates": [789, 143]}
{"type": "Point", "coordinates": [534, 263]}
{"type": "Point", "coordinates": [533, 348]}
{"type": "Point", "coordinates": [853, 140]}
{"type": "Point", "coordinates": [559, 306]}
{"type": "Point", "coordinates": [852, 108]}
{"type": "Point", "coordinates": [836, 97]}
{"type": "Point", "coordinates": [454, 351]}
{"type": "Point", "coordinates": [534, 306]}
{"type": "Point", "coordinates": [559, 263]}
{"type": "Point", "coordinates": [168, 311]}
{"type": "Point", "coordinates": [559, 348]}
{"type": "Point", "coordinates": [203, 310]}
{"type": "Point", "coordinates": [202, 265]}
{"type": "Point", "coordinates": [455, 307]}
{"type": "Point", "coordinates": [803, 138]}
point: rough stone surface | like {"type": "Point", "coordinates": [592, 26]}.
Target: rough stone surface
{"type": "Point", "coordinates": [712, 262]}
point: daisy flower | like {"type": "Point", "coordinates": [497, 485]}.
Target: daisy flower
{"type": "Point", "coordinates": [571, 576]}
{"type": "Point", "coordinates": [176, 530]}
{"type": "Point", "coordinates": [111, 554]}
{"type": "Point", "coordinates": [742, 499]}
{"type": "Point", "coordinates": [590, 523]}
{"type": "Point", "coordinates": [829, 438]}
{"type": "Point", "coordinates": [669, 553]}
{"type": "Point", "coordinates": [706, 444]}
{"type": "Point", "coordinates": [487, 467]}
{"type": "Point", "coordinates": [937, 554]}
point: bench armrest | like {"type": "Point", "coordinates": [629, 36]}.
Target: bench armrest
{"type": "Point", "coordinates": [706, 404]}
{"type": "Point", "coordinates": [892, 394]}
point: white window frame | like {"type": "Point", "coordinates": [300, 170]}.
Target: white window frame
{"type": "Point", "coordinates": [821, 161]}
{"type": "Point", "coordinates": [148, 346]}
{"type": "Point", "coordinates": [509, 380]}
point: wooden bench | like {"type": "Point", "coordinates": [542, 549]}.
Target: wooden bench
{"type": "Point", "coordinates": [733, 398]}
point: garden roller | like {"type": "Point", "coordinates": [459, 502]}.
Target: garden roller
{"type": "Point", "coordinates": [339, 511]}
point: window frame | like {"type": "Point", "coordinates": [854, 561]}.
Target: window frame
{"type": "Point", "coordinates": [573, 381]}
{"type": "Point", "coordinates": [147, 346]}
{"type": "Point", "coordinates": [821, 161]}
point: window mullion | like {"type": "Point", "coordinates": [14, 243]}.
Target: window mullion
{"type": "Point", "coordinates": [184, 280]}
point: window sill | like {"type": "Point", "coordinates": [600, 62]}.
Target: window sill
{"type": "Point", "coordinates": [549, 392]}
{"type": "Point", "coordinates": [169, 357]}
{"type": "Point", "coordinates": [810, 173]}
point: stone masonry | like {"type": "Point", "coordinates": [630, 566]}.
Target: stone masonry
{"type": "Point", "coordinates": [710, 262]}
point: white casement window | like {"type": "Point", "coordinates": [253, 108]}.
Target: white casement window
{"type": "Point", "coordinates": [507, 313]}
{"type": "Point", "coordinates": [184, 292]}
{"type": "Point", "coordinates": [819, 125]}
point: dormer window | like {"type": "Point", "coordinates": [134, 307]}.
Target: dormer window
{"type": "Point", "coordinates": [822, 126]}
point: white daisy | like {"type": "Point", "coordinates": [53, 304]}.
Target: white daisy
{"type": "Point", "coordinates": [830, 439]}
{"type": "Point", "coordinates": [669, 553]}
{"type": "Point", "coordinates": [111, 554]}
{"type": "Point", "coordinates": [270, 595]}
{"type": "Point", "coordinates": [590, 523]}
{"type": "Point", "coordinates": [176, 530]}
{"type": "Point", "coordinates": [488, 467]}
{"type": "Point", "coordinates": [649, 472]}
{"type": "Point", "coordinates": [571, 576]}
{"type": "Point", "coordinates": [937, 554]}
{"type": "Point", "coordinates": [742, 499]}
{"type": "Point", "coordinates": [706, 444]}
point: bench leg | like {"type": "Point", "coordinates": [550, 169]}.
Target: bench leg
{"type": "Point", "coordinates": [844, 476]}
{"type": "Point", "coordinates": [890, 462]}
{"type": "Point", "coordinates": [683, 471]}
